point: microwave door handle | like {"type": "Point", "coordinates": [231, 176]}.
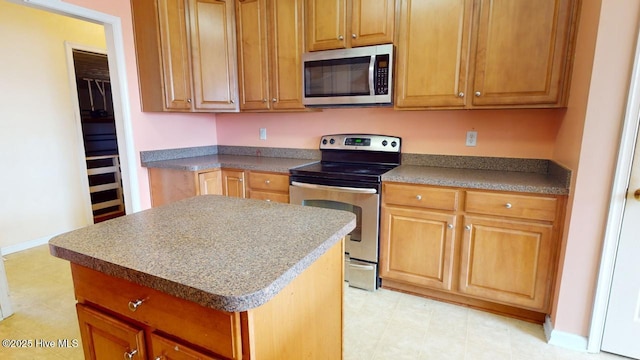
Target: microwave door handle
{"type": "Point", "coordinates": [372, 62]}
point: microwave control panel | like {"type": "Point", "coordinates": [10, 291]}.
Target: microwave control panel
{"type": "Point", "coordinates": [381, 74]}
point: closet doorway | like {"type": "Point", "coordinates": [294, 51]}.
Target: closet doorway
{"type": "Point", "coordinates": [99, 136]}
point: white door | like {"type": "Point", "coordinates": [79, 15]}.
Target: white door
{"type": "Point", "coordinates": [622, 324]}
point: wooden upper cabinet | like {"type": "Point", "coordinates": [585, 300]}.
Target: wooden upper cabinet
{"type": "Point", "coordinates": [174, 49]}
{"type": "Point", "coordinates": [522, 52]}
{"type": "Point", "coordinates": [339, 24]}
{"type": "Point", "coordinates": [185, 52]}
{"type": "Point", "coordinates": [270, 47]}
{"type": "Point", "coordinates": [213, 52]}
{"type": "Point", "coordinates": [484, 53]}
{"type": "Point", "coordinates": [433, 53]}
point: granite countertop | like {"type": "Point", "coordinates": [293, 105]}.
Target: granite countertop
{"type": "Point", "coordinates": [225, 253]}
{"type": "Point", "coordinates": [475, 172]}
{"type": "Point", "coordinates": [528, 182]}
{"type": "Point", "coordinates": [244, 162]}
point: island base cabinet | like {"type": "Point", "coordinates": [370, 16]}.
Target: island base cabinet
{"type": "Point", "coordinates": [303, 321]}
{"type": "Point", "coordinates": [105, 337]}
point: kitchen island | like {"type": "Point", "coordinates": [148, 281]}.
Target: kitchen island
{"type": "Point", "coordinates": [211, 277]}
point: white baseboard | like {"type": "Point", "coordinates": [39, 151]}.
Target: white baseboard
{"type": "Point", "coordinates": [25, 245]}
{"type": "Point", "coordinates": [564, 339]}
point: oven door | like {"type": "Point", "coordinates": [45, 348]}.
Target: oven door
{"type": "Point", "coordinates": [361, 247]}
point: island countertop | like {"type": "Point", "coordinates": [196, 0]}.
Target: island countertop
{"type": "Point", "coordinates": [224, 253]}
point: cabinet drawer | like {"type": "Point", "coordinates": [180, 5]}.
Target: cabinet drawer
{"type": "Point", "coordinates": [211, 329]}
{"type": "Point", "coordinates": [269, 181]}
{"type": "Point", "coordinates": [269, 196]}
{"type": "Point", "coordinates": [420, 196]}
{"type": "Point", "coordinates": [519, 206]}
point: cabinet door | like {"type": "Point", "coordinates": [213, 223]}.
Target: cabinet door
{"type": "Point", "coordinates": [213, 52]}
{"type": "Point", "coordinates": [433, 51]}
{"type": "Point", "coordinates": [417, 247]}
{"type": "Point", "coordinates": [210, 183]}
{"type": "Point", "coordinates": [233, 183]}
{"type": "Point", "coordinates": [286, 44]}
{"type": "Point", "coordinates": [163, 348]}
{"type": "Point", "coordinates": [326, 24]}
{"type": "Point", "coordinates": [251, 23]}
{"type": "Point", "coordinates": [522, 52]}
{"type": "Point", "coordinates": [174, 50]}
{"type": "Point", "coordinates": [372, 22]}
{"type": "Point", "coordinates": [507, 261]}
{"type": "Point", "coordinates": [104, 337]}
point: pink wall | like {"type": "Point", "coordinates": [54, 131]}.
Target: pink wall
{"type": "Point", "coordinates": [507, 133]}
{"type": "Point", "coordinates": [152, 131]}
{"type": "Point", "coordinates": [588, 141]}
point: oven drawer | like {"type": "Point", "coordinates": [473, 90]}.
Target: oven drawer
{"type": "Point", "coordinates": [422, 196]}
{"type": "Point", "coordinates": [518, 206]}
{"type": "Point", "coordinates": [269, 181]}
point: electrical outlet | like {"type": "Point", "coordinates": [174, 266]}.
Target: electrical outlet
{"type": "Point", "coordinates": [263, 133]}
{"type": "Point", "coordinates": [472, 138]}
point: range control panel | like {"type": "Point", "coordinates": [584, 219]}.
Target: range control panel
{"type": "Point", "coordinates": [366, 142]}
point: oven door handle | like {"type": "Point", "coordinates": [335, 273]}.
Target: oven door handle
{"type": "Point", "coordinates": [335, 188]}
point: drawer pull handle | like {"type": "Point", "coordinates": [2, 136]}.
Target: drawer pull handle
{"type": "Point", "coordinates": [468, 227]}
{"type": "Point", "coordinates": [129, 355]}
{"type": "Point", "coordinates": [508, 205]}
{"type": "Point", "coordinates": [418, 197]}
{"type": "Point", "coordinates": [450, 226]}
{"type": "Point", "coordinates": [135, 304]}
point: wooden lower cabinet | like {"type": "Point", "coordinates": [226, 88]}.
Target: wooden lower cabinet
{"type": "Point", "coordinates": [303, 321]}
{"type": "Point", "coordinates": [233, 183]}
{"type": "Point", "coordinates": [502, 256]}
{"type": "Point", "coordinates": [269, 186]}
{"type": "Point", "coordinates": [417, 246]}
{"type": "Point", "coordinates": [169, 185]}
{"type": "Point", "coordinates": [507, 261]}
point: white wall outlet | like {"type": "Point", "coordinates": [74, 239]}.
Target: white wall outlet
{"type": "Point", "coordinates": [263, 133]}
{"type": "Point", "coordinates": [472, 138]}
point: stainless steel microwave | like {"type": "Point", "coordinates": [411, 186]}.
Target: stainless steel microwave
{"type": "Point", "coordinates": [356, 76]}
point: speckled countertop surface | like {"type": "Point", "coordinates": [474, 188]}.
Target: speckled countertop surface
{"type": "Point", "coordinates": [225, 253]}
{"type": "Point", "coordinates": [529, 182]}
{"type": "Point", "coordinates": [489, 173]}
{"type": "Point", "coordinates": [243, 162]}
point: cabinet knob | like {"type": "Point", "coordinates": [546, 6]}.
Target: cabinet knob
{"type": "Point", "coordinates": [636, 194]}
{"type": "Point", "coordinates": [450, 226]}
{"type": "Point", "coordinates": [460, 94]}
{"type": "Point", "coordinates": [264, 100]}
{"type": "Point", "coordinates": [354, 36]}
{"type": "Point", "coordinates": [468, 227]}
{"type": "Point", "coordinates": [232, 101]}
{"type": "Point", "coordinates": [129, 355]}
{"type": "Point", "coordinates": [508, 205]}
{"type": "Point", "coordinates": [268, 200]}
{"type": "Point", "coordinates": [274, 100]}
{"type": "Point", "coordinates": [418, 197]}
{"type": "Point", "coordinates": [478, 93]}
{"type": "Point", "coordinates": [267, 182]}
{"type": "Point", "coordinates": [189, 101]}
{"type": "Point", "coordinates": [340, 37]}
{"type": "Point", "coordinates": [135, 304]}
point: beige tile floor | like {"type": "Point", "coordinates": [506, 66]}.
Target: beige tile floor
{"type": "Point", "coordinates": [381, 325]}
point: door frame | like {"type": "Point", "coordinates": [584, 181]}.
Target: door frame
{"type": "Point", "coordinates": [120, 93]}
{"type": "Point", "coordinates": [616, 209]}
{"type": "Point", "coordinates": [82, 163]}
{"type": "Point", "coordinates": [121, 107]}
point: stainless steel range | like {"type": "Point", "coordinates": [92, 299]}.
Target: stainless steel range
{"type": "Point", "coordinates": [348, 177]}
